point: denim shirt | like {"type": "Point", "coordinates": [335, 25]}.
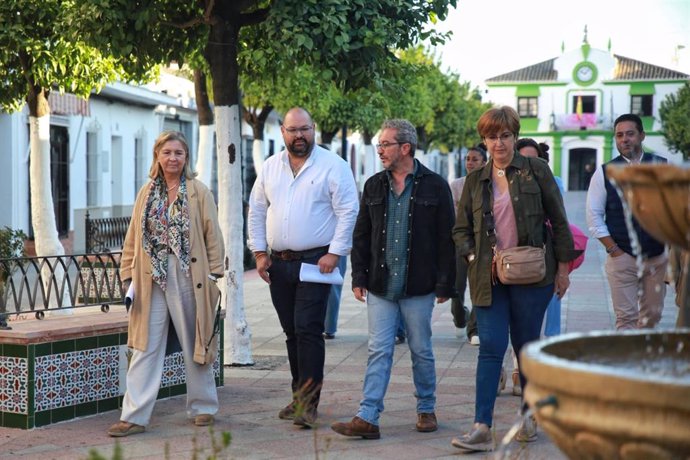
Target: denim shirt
{"type": "Point", "coordinates": [535, 197]}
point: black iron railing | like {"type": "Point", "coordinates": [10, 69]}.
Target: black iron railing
{"type": "Point", "coordinates": [35, 285]}
{"type": "Point", "coordinates": [105, 234]}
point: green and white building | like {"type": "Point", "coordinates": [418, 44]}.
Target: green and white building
{"type": "Point", "coordinates": [570, 102]}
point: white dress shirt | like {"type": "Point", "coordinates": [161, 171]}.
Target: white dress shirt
{"type": "Point", "coordinates": [596, 204]}
{"type": "Point", "coordinates": [316, 208]}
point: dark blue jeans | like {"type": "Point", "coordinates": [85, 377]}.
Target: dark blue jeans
{"type": "Point", "coordinates": [518, 309]}
{"type": "Point", "coordinates": [301, 309]}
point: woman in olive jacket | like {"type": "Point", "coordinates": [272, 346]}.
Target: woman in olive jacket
{"type": "Point", "coordinates": [522, 195]}
{"type": "Point", "coordinates": [172, 245]}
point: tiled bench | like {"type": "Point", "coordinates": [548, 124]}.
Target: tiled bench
{"type": "Point", "coordinates": [64, 367]}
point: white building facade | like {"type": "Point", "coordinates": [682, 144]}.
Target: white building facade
{"type": "Point", "coordinates": [570, 103]}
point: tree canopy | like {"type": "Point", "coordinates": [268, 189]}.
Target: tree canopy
{"type": "Point", "coordinates": [36, 57]}
{"type": "Point", "coordinates": [675, 118]}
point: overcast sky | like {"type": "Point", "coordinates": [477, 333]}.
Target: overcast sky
{"type": "Point", "coordinates": [491, 37]}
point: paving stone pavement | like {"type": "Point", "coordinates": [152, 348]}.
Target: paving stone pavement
{"type": "Point", "coordinates": [252, 396]}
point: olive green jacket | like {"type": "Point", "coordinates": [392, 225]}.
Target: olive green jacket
{"type": "Point", "coordinates": [534, 201]}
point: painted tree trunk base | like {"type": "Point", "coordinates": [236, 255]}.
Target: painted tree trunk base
{"type": "Point", "coordinates": [258, 155]}
{"type": "Point", "coordinates": [204, 159]}
{"type": "Point", "coordinates": [47, 242]}
{"type": "Point", "coordinates": [237, 340]}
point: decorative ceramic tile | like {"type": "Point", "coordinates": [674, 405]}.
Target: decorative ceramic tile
{"type": "Point", "coordinates": [14, 377]}
{"type": "Point", "coordinates": [173, 370]}
{"type": "Point", "coordinates": [67, 379]}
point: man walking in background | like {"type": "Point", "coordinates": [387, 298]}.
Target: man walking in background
{"type": "Point", "coordinates": [606, 220]}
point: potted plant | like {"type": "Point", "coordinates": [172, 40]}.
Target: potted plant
{"type": "Point", "coordinates": [11, 247]}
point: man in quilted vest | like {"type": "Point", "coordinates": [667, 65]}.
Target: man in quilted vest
{"type": "Point", "coordinates": [637, 299]}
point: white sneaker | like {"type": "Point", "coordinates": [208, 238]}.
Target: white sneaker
{"type": "Point", "coordinates": [474, 340]}
{"type": "Point", "coordinates": [479, 439]}
{"type": "Point", "coordinates": [459, 332]}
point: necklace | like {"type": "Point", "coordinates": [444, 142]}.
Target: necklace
{"type": "Point", "coordinates": [500, 172]}
{"type": "Point", "coordinates": [295, 169]}
{"type": "Point", "coordinates": [173, 187]}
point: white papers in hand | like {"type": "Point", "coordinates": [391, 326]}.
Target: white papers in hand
{"type": "Point", "coordinates": [129, 297]}
{"type": "Point", "coordinates": [311, 273]}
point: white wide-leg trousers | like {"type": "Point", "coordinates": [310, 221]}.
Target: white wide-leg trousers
{"type": "Point", "coordinates": [176, 303]}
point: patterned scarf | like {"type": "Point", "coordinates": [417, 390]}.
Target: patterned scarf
{"type": "Point", "coordinates": [166, 227]}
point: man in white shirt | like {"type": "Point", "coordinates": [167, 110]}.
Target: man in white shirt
{"type": "Point", "coordinates": [606, 220]}
{"type": "Point", "coordinates": [302, 209]}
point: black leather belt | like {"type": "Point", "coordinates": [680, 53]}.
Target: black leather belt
{"type": "Point", "coordinates": [289, 255]}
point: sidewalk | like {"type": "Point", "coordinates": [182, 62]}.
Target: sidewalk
{"type": "Point", "coordinates": [252, 396]}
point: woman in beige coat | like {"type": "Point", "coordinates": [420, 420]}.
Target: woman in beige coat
{"type": "Point", "coordinates": [172, 246]}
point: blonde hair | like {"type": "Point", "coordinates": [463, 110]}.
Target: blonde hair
{"type": "Point", "coordinates": [167, 136]}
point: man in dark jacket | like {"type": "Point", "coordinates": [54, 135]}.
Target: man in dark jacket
{"type": "Point", "coordinates": [402, 258]}
{"type": "Point", "coordinates": [606, 220]}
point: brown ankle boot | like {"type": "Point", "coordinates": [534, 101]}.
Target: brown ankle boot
{"type": "Point", "coordinates": [357, 427]}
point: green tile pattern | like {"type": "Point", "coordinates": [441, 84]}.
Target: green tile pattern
{"type": "Point", "coordinates": [47, 383]}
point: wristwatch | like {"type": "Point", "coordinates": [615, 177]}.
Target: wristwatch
{"type": "Point", "coordinates": [612, 249]}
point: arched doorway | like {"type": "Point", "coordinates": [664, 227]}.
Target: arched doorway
{"type": "Point", "coordinates": [581, 166]}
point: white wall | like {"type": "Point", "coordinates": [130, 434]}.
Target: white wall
{"type": "Point", "coordinates": [109, 117]}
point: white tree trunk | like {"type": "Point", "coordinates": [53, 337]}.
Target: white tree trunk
{"type": "Point", "coordinates": [369, 161]}
{"type": "Point", "coordinates": [42, 211]}
{"type": "Point", "coordinates": [43, 222]}
{"type": "Point", "coordinates": [238, 344]}
{"type": "Point", "coordinates": [204, 158]}
{"type": "Point", "coordinates": [453, 172]}
{"type": "Point", "coordinates": [258, 154]}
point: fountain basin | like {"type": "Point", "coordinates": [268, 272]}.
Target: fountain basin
{"type": "Point", "coordinates": [658, 195]}
{"type": "Point", "coordinates": [612, 395]}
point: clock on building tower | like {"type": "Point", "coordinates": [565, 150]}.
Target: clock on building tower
{"type": "Point", "coordinates": [585, 73]}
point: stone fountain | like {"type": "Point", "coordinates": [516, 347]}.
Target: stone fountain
{"type": "Point", "coordinates": [623, 395]}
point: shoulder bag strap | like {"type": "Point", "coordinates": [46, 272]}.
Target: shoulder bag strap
{"type": "Point", "coordinates": [489, 225]}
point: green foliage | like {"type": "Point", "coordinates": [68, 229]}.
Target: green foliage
{"type": "Point", "coordinates": [675, 118]}
{"type": "Point", "coordinates": [218, 446]}
{"type": "Point", "coordinates": [348, 41]}
{"type": "Point", "coordinates": [11, 243]}
{"type": "Point", "coordinates": [141, 35]}
{"type": "Point", "coordinates": [117, 453]}
{"type": "Point", "coordinates": [36, 51]}
{"type": "Point", "coordinates": [443, 109]}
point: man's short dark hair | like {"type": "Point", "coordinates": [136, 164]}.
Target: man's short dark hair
{"type": "Point", "coordinates": [629, 117]}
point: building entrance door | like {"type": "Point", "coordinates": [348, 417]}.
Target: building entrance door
{"type": "Point", "coordinates": [581, 166]}
{"type": "Point", "coordinates": [59, 175]}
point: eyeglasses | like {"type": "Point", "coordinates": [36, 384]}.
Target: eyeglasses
{"type": "Point", "coordinates": [302, 130]}
{"type": "Point", "coordinates": [505, 137]}
{"type": "Point", "coordinates": [385, 145]}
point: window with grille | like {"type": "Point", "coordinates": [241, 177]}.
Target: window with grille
{"type": "Point", "coordinates": [641, 105]}
{"type": "Point", "coordinates": [527, 106]}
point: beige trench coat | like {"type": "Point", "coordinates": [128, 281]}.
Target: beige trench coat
{"type": "Point", "coordinates": [207, 256]}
